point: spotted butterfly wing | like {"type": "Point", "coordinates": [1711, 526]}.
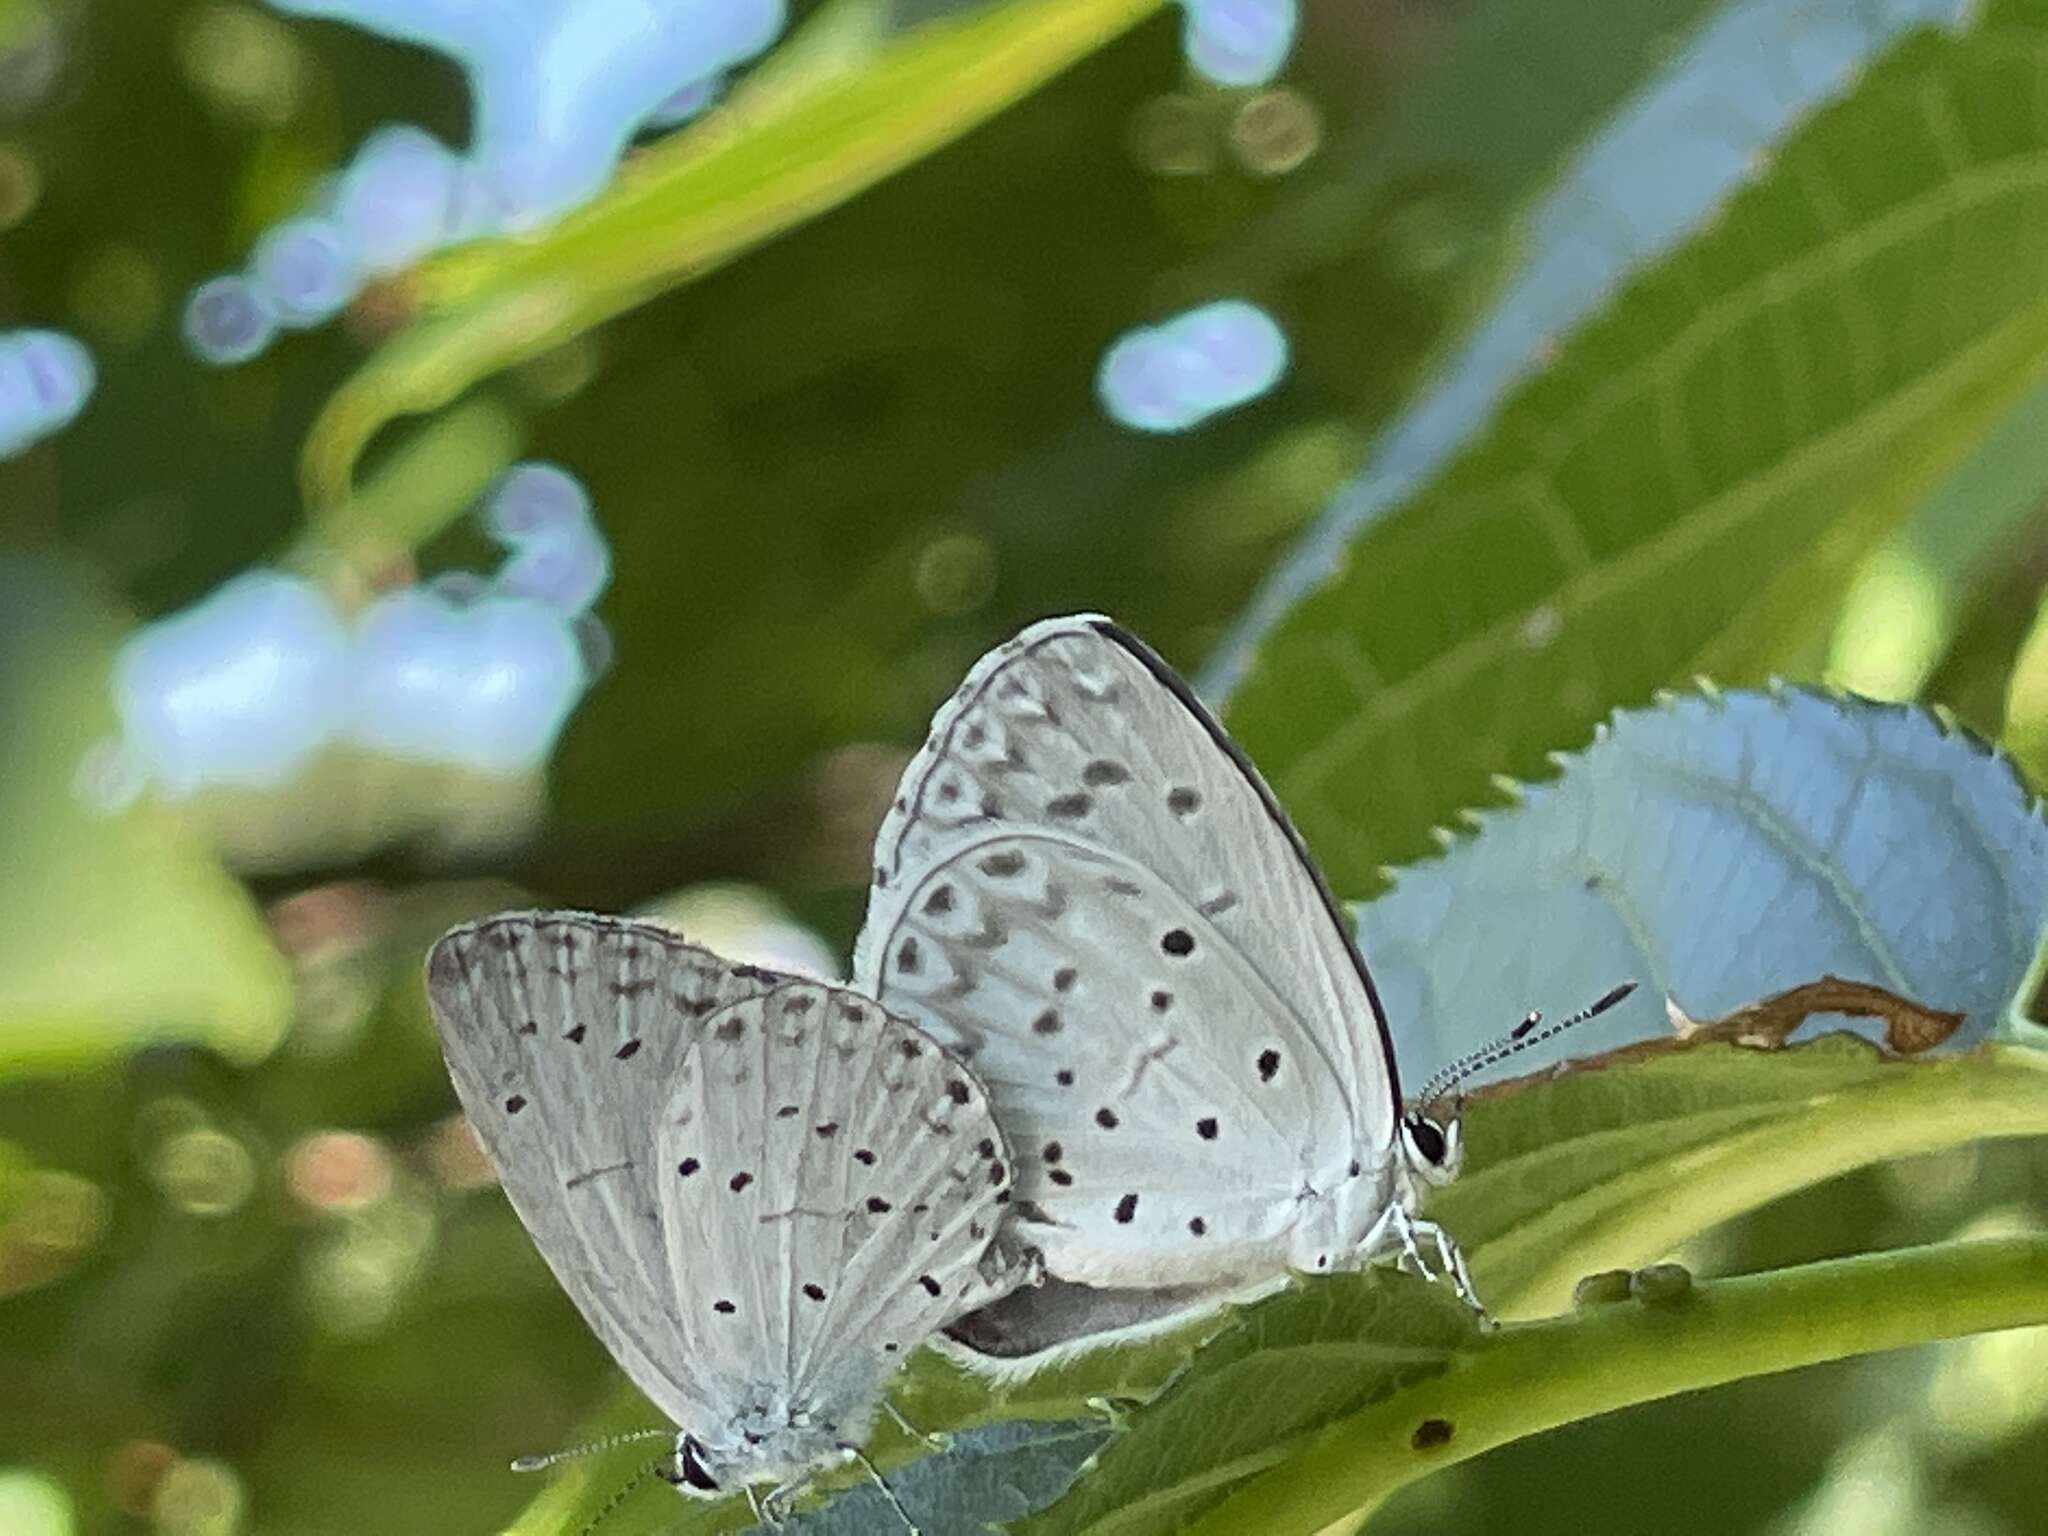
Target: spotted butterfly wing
{"type": "Point", "coordinates": [1085, 889]}
{"type": "Point", "coordinates": [563, 1034]}
{"type": "Point", "coordinates": [833, 1185]}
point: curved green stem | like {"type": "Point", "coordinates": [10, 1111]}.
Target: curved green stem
{"type": "Point", "coordinates": [1531, 1377]}
{"type": "Point", "coordinates": [1643, 1211]}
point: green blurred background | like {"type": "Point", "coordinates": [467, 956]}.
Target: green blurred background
{"type": "Point", "coordinates": [252, 1276]}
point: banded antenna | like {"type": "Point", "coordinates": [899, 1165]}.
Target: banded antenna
{"type": "Point", "coordinates": [1517, 1040]}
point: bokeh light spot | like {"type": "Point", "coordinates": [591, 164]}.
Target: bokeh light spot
{"type": "Point", "coordinates": [204, 1172]}
{"type": "Point", "coordinates": [118, 293]}
{"type": "Point", "coordinates": [1276, 132]}
{"type": "Point", "coordinates": [356, 1279]}
{"type": "Point", "coordinates": [243, 63]}
{"type": "Point", "coordinates": [52, 1220]}
{"type": "Point", "coordinates": [32, 1504]}
{"type": "Point", "coordinates": [1172, 136]}
{"type": "Point", "coordinates": [21, 186]}
{"type": "Point", "coordinates": [338, 1171]}
{"type": "Point", "coordinates": [956, 575]}
{"type": "Point", "coordinates": [198, 1497]}
{"type": "Point", "coordinates": [135, 1471]}
{"type": "Point", "coordinates": [455, 1157]}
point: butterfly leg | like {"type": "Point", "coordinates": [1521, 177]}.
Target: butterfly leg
{"type": "Point", "coordinates": [1397, 1231]}
{"type": "Point", "coordinates": [854, 1453]}
{"type": "Point", "coordinates": [1389, 1235]}
{"type": "Point", "coordinates": [1452, 1258]}
{"type": "Point", "coordinates": [936, 1442]}
{"type": "Point", "coordinates": [1405, 1227]}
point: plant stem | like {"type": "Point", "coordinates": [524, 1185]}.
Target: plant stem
{"type": "Point", "coordinates": [1527, 1378]}
{"type": "Point", "coordinates": [1643, 1212]}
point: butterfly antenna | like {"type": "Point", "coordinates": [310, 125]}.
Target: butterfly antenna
{"type": "Point", "coordinates": [609, 1443]}
{"type": "Point", "coordinates": [610, 1505]}
{"type": "Point", "coordinates": [882, 1483]}
{"type": "Point", "coordinates": [1517, 1040]}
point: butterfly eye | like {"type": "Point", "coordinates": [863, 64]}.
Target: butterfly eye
{"type": "Point", "coordinates": [1428, 1138]}
{"type": "Point", "coordinates": [690, 1463]}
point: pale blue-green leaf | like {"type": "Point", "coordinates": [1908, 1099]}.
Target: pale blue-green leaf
{"type": "Point", "coordinates": [1719, 849]}
{"type": "Point", "coordinates": [983, 1478]}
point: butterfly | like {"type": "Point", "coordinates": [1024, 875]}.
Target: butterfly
{"type": "Point", "coordinates": [1084, 889]}
{"type": "Point", "coordinates": [762, 1193]}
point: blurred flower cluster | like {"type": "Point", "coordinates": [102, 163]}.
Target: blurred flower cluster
{"type": "Point", "coordinates": [1176, 375]}
{"type": "Point", "coordinates": [1239, 42]}
{"type": "Point", "coordinates": [558, 90]}
{"type": "Point", "coordinates": [45, 379]}
{"type": "Point", "coordinates": [478, 672]}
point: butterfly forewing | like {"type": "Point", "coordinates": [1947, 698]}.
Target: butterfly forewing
{"type": "Point", "coordinates": [1077, 742]}
{"type": "Point", "coordinates": [563, 1033]}
{"type": "Point", "coordinates": [833, 1185]}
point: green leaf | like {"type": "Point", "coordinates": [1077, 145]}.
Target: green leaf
{"type": "Point", "coordinates": [1729, 430]}
{"type": "Point", "coordinates": [1606, 1169]}
{"type": "Point", "coordinates": [2026, 1015]}
{"type": "Point", "coordinates": [1993, 608]}
{"type": "Point", "coordinates": [1425, 1399]}
{"type": "Point", "coordinates": [2026, 696]}
{"type": "Point", "coordinates": [1295, 1362]}
{"type": "Point", "coordinates": [119, 929]}
{"type": "Point", "coordinates": [1921, 596]}
{"type": "Point", "coordinates": [737, 178]}
{"type": "Point", "coordinates": [1719, 849]}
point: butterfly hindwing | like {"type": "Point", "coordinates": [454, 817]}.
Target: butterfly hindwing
{"type": "Point", "coordinates": [1165, 1104]}
{"type": "Point", "coordinates": [563, 1032]}
{"type": "Point", "coordinates": [833, 1184]}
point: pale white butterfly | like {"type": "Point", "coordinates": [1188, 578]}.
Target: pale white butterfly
{"type": "Point", "coordinates": [1085, 889]}
{"type": "Point", "coordinates": [762, 1193]}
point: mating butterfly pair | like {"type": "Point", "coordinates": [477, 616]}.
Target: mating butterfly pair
{"type": "Point", "coordinates": [1107, 1025]}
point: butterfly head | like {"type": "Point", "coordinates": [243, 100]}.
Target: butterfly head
{"type": "Point", "coordinates": [690, 1470]}
{"type": "Point", "coordinates": [770, 1442]}
{"type": "Point", "coordinates": [1433, 1149]}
